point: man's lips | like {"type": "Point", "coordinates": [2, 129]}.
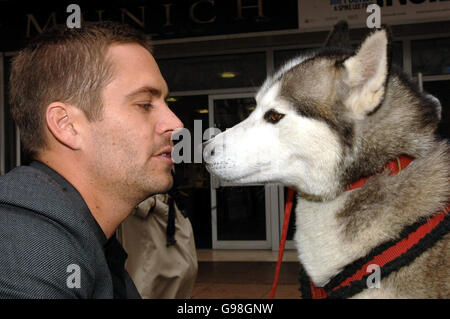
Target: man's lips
{"type": "Point", "coordinates": [165, 153]}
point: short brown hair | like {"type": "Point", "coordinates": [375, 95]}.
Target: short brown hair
{"type": "Point", "coordinates": [66, 65]}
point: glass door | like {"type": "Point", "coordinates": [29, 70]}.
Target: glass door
{"type": "Point", "coordinates": [242, 216]}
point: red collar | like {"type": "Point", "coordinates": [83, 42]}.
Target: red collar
{"type": "Point", "coordinates": [395, 166]}
{"type": "Point", "coordinates": [389, 256]}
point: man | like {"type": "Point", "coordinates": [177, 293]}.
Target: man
{"type": "Point", "coordinates": [90, 107]}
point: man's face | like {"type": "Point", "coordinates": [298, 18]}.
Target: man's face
{"type": "Point", "coordinates": [129, 149]}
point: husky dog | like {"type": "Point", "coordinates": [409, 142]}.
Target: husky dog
{"type": "Point", "coordinates": [328, 119]}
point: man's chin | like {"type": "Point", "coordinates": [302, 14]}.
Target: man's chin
{"type": "Point", "coordinates": [163, 186]}
{"type": "Point", "coordinates": [168, 187]}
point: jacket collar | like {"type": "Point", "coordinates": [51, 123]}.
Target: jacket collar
{"type": "Point", "coordinates": [78, 202]}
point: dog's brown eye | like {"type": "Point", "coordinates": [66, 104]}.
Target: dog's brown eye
{"type": "Point", "coordinates": [272, 116]}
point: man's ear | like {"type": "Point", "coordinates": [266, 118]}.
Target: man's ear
{"type": "Point", "coordinates": [365, 73]}
{"type": "Point", "coordinates": [61, 119]}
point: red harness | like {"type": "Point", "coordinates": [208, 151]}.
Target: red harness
{"type": "Point", "coordinates": [389, 256]}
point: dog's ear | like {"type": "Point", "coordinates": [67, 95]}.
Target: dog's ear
{"type": "Point", "coordinates": [366, 72]}
{"type": "Point", "coordinates": [437, 105]}
{"type": "Point", "coordinates": [339, 37]}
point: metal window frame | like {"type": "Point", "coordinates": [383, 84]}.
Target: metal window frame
{"type": "Point", "coordinates": [407, 59]}
{"type": "Point", "coordinates": [268, 48]}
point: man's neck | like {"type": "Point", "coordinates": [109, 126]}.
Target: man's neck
{"type": "Point", "coordinates": [108, 210]}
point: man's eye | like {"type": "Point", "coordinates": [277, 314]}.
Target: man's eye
{"type": "Point", "coordinates": [273, 116]}
{"type": "Point", "coordinates": [145, 106]}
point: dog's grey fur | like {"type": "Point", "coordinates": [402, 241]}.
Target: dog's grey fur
{"type": "Point", "coordinates": [356, 113]}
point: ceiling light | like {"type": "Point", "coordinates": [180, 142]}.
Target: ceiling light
{"type": "Point", "coordinates": [227, 75]}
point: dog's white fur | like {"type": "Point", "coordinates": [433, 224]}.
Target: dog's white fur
{"type": "Point", "coordinates": [243, 160]}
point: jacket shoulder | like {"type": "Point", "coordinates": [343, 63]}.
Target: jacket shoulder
{"type": "Point", "coordinates": [32, 189]}
{"type": "Point", "coordinates": [43, 238]}
{"type": "Point", "coordinates": [41, 258]}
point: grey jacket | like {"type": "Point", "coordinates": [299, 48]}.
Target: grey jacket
{"type": "Point", "coordinates": [50, 244]}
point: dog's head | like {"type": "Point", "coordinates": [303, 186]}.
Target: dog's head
{"type": "Point", "coordinates": [316, 119]}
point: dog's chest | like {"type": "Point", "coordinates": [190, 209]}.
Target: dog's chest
{"type": "Point", "coordinates": [322, 249]}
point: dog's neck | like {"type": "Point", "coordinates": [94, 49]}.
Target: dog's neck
{"type": "Point", "coordinates": [309, 197]}
{"type": "Point", "coordinates": [395, 166]}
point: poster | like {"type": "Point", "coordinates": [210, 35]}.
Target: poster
{"type": "Point", "coordinates": [323, 14]}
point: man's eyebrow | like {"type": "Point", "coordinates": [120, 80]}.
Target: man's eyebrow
{"type": "Point", "coordinates": [143, 90]}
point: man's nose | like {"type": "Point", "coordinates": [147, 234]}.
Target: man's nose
{"type": "Point", "coordinates": [170, 121]}
{"type": "Point", "coordinates": [175, 121]}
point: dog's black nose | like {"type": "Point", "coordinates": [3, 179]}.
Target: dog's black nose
{"type": "Point", "coordinates": [211, 152]}
{"type": "Point", "coordinates": [206, 143]}
{"type": "Point", "coordinates": [208, 150]}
